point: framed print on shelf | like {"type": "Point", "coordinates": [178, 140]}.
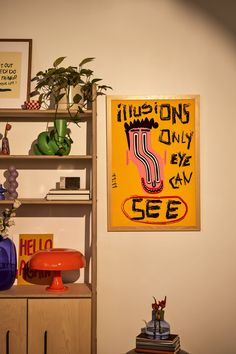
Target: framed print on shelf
{"type": "Point", "coordinates": [15, 72]}
{"type": "Point", "coordinates": [153, 163]}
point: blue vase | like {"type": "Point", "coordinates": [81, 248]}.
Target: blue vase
{"type": "Point", "coordinates": [2, 191]}
{"type": "Point", "coordinates": [158, 328]}
{"type": "Point", "coordinates": [8, 263]}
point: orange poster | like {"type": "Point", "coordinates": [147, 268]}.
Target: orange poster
{"type": "Point", "coordinates": [153, 167]}
{"type": "Point", "coordinates": [28, 245]}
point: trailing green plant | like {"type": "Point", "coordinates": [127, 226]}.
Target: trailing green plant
{"type": "Point", "coordinates": [56, 82]}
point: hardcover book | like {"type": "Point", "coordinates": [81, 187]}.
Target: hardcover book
{"type": "Point", "coordinates": [69, 191]}
{"type": "Point", "coordinates": [68, 197]}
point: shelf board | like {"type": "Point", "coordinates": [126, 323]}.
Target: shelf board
{"type": "Point", "coordinates": [43, 201]}
{"type": "Point", "coordinates": [76, 290]}
{"type": "Point", "coordinates": [45, 157]}
{"type": "Point", "coordinates": [39, 115]}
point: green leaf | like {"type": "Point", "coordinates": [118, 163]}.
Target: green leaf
{"type": "Point", "coordinates": [59, 97]}
{"type": "Point", "coordinates": [95, 80]}
{"type": "Point", "coordinates": [85, 61]}
{"type": "Point", "coordinates": [58, 61]}
{"type": "Point", "coordinates": [105, 87]}
{"type": "Point", "coordinates": [34, 78]}
{"type": "Point", "coordinates": [72, 69]}
{"type": "Point", "coordinates": [77, 98]}
{"type": "Point", "coordinates": [40, 73]}
{"type": "Point", "coordinates": [34, 93]}
{"type": "Point", "coordinates": [86, 72]}
{"type": "Point", "coordinates": [40, 99]}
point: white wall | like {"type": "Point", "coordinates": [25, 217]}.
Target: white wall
{"type": "Point", "coordinates": [149, 47]}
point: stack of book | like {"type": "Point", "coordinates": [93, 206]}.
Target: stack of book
{"type": "Point", "coordinates": [68, 194]}
{"type": "Point", "coordinates": [146, 345]}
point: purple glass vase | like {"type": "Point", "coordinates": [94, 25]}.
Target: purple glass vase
{"type": "Point", "coordinates": [8, 263]}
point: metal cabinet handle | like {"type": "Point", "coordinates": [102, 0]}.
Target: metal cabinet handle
{"type": "Point", "coordinates": [45, 342]}
{"type": "Point", "coordinates": [7, 342]}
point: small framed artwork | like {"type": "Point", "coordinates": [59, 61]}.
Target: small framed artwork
{"type": "Point", "coordinates": [28, 245]}
{"type": "Point", "coordinates": [153, 163]}
{"type": "Point", "coordinates": [15, 72]}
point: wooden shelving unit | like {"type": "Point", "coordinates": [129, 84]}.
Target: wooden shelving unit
{"type": "Point", "coordinates": [35, 201]}
{"type": "Point", "coordinates": [39, 115]}
{"type": "Point", "coordinates": [38, 291]}
{"type": "Point", "coordinates": [28, 302]}
{"type": "Point", "coordinates": [45, 157]}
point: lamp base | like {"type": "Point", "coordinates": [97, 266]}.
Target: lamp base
{"type": "Point", "coordinates": [57, 284]}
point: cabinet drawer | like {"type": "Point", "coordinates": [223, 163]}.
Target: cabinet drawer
{"type": "Point", "coordinates": [13, 333]}
{"type": "Point", "coordinates": [59, 326]}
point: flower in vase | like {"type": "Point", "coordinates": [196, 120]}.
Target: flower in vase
{"type": "Point", "coordinates": [6, 218]}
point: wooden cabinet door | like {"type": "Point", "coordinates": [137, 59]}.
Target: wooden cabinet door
{"type": "Point", "coordinates": [13, 314]}
{"type": "Point", "coordinates": [59, 326]}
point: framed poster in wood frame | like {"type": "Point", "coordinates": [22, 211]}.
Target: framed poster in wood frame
{"type": "Point", "coordinates": [153, 163]}
{"type": "Point", "coordinates": [15, 71]}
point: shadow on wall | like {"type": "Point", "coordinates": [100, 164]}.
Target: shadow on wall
{"type": "Point", "coordinates": [221, 11]}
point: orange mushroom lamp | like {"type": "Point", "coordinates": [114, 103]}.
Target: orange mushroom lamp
{"type": "Point", "coordinates": [56, 260]}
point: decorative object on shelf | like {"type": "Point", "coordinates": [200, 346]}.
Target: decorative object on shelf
{"type": "Point", "coordinates": [69, 182]}
{"type": "Point", "coordinates": [54, 142]}
{"type": "Point", "coordinates": [8, 263]}
{"type": "Point", "coordinates": [5, 141]}
{"type": "Point", "coordinates": [158, 328]}
{"type": "Point", "coordinates": [56, 260]}
{"type": "Point", "coordinates": [15, 72]}
{"type": "Point", "coordinates": [57, 82]}
{"type": "Point", "coordinates": [8, 258]}
{"type": "Point", "coordinates": [67, 100]}
{"type": "Point", "coordinates": [12, 183]}
{"type": "Point", "coordinates": [6, 218]}
{"type": "Point", "coordinates": [2, 191]}
{"type": "Point", "coordinates": [32, 105]}
{"type": "Point", "coordinates": [28, 245]}
{"type": "Point", "coordinates": [71, 85]}
{"type": "Point", "coordinates": [68, 194]}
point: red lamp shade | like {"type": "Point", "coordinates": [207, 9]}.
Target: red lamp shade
{"type": "Point", "coordinates": [56, 260]}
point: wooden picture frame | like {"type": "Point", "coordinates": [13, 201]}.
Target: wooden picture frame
{"type": "Point", "coordinates": [153, 163]}
{"type": "Point", "coordinates": [15, 72]}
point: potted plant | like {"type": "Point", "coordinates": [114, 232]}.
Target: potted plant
{"type": "Point", "coordinates": [56, 84]}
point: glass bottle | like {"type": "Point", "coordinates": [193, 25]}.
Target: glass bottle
{"type": "Point", "coordinates": [157, 328]}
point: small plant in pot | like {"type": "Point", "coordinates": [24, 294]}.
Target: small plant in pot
{"type": "Point", "coordinates": [72, 86]}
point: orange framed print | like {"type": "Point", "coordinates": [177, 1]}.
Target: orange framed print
{"type": "Point", "coordinates": [153, 163]}
{"type": "Point", "coordinates": [15, 71]}
{"type": "Point", "coordinates": [28, 245]}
